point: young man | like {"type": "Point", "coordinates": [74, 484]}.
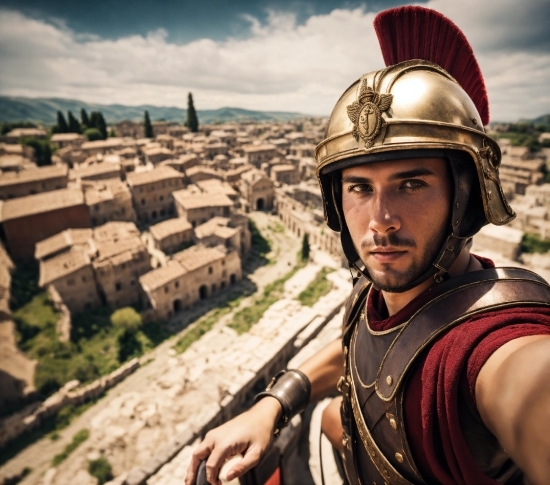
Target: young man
{"type": "Point", "coordinates": [444, 363]}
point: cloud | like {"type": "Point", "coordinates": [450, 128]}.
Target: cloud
{"type": "Point", "coordinates": [281, 66]}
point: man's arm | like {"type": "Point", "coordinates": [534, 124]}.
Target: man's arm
{"type": "Point", "coordinates": [513, 398]}
{"type": "Point", "coordinates": [251, 433]}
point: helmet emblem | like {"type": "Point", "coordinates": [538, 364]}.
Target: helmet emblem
{"type": "Point", "coordinates": [366, 113]}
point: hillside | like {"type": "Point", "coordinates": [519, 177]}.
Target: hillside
{"type": "Point", "coordinates": [43, 110]}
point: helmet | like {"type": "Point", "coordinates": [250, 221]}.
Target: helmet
{"type": "Point", "coordinates": [414, 109]}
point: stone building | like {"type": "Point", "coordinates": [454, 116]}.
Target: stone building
{"type": "Point", "coordinates": [258, 154]}
{"type": "Point", "coordinates": [155, 155]}
{"type": "Point", "coordinates": [213, 149]}
{"type": "Point", "coordinates": [80, 239]}
{"type": "Point", "coordinates": [225, 232]}
{"type": "Point", "coordinates": [16, 134]}
{"type": "Point", "coordinates": [33, 181]}
{"type": "Point", "coordinates": [72, 275]}
{"type": "Point", "coordinates": [285, 174]}
{"type": "Point", "coordinates": [233, 176]}
{"type": "Point", "coordinates": [109, 145]}
{"type": "Point", "coordinates": [30, 219]}
{"type": "Point", "coordinates": [129, 129]}
{"type": "Point", "coordinates": [108, 201]}
{"type": "Point", "coordinates": [62, 140]}
{"type": "Point", "coordinates": [192, 275]}
{"type": "Point", "coordinates": [152, 192]}
{"type": "Point", "coordinates": [97, 171]}
{"type": "Point", "coordinates": [199, 173]}
{"type": "Point", "coordinates": [257, 189]}
{"type": "Point", "coordinates": [503, 240]}
{"type": "Point", "coordinates": [519, 168]}
{"type": "Point", "coordinates": [121, 258]}
{"type": "Point", "coordinates": [197, 208]}
{"type": "Point", "coordinates": [170, 235]}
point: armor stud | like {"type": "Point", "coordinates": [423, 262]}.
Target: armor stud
{"type": "Point", "coordinates": [399, 457]}
{"type": "Point", "coordinates": [389, 380]}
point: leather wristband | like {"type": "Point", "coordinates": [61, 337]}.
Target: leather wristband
{"type": "Point", "coordinates": [292, 389]}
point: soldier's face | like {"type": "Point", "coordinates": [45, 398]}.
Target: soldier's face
{"type": "Point", "coordinates": [398, 215]}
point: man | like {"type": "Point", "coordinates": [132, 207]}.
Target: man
{"type": "Point", "coordinates": [444, 363]}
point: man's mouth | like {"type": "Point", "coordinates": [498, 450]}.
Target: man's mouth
{"type": "Point", "coordinates": [387, 254]}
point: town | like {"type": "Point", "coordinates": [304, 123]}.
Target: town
{"type": "Point", "coordinates": [126, 237]}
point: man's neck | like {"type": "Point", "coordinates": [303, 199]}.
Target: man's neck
{"type": "Point", "coordinates": [465, 263]}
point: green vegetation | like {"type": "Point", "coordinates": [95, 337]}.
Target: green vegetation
{"type": "Point", "coordinates": [531, 243]}
{"type": "Point", "coordinates": [101, 469]}
{"type": "Point", "coordinates": [148, 127]}
{"type": "Point", "coordinates": [93, 134]}
{"type": "Point", "coordinates": [276, 227]}
{"type": "Point", "coordinates": [304, 253]}
{"type": "Point", "coordinates": [192, 119]}
{"type": "Point", "coordinates": [7, 127]}
{"type": "Point", "coordinates": [42, 149]}
{"type": "Point", "coordinates": [61, 126]}
{"type": "Point", "coordinates": [526, 134]}
{"type": "Point", "coordinates": [204, 325]}
{"type": "Point", "coordinates": [84, 120]}
{"type": "Point", "coordinates": [319, 287]}
{"type": "Point", "coordinates": [74, 125]}
{"type": "Point", "coordinates": [78, 438]}
{"type": "Point", "coordinates": [244, 319]}
{"type": "Point", "coordinates": [126, 319]}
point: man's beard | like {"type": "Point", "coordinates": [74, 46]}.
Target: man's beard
{"type": "Point", "coordinates": [393, 281]}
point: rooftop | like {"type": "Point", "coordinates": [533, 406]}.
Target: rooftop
{"type": "Point", "coordinates": [259, 148]}
{"type": "Point", "coordinates": [33, 175]}
{"type": "Point", "coordinates": [62, 241]}
{"type": "Point", "coordinates": [198, 201]}
{"type": "Point", "coordinates": [96, 192]}
{"type": "Point", "coordinates": [156, 175]}
{"type": "Point", "coordinates": [198, 256]}
{"type": "Point", "coordinates": [170, 227]}
{"type": "Point", "coordinates": [283, 168]}
{"type": "Point", "coordinates": [99, 144]}
{"type": "Point", "coordinates": [66, 137]}
{"type": "Point", "coordinates": [62, 265]}
{"type": "Point", "coordinates": [96, 169]}
{"type": "Point", "coordinates": [161, 276]}
{"type": "Point", "coordinates": [40, 203]}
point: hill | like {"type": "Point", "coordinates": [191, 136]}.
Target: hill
{"type": "Point", "coordinates": [43, 110]}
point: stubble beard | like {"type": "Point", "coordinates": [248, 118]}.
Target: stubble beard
{"type": "Point", "coordinates": [393, 281]}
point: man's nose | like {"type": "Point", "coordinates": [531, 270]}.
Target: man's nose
{"type": "Point", "coordinates": [384, 216]}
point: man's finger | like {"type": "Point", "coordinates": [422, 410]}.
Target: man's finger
{"type": "Point", "coordinates": [201, 453]}
{"type": "Point", "coordinates": [217, 458]}
{"type": "Point", "coordinates": [249, 460]}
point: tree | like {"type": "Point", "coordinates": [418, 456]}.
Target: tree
{"type": "Point", "coordinates": [84, 120]}
{"type": "Point", "coordinates": [42, 149]}
{"type": "Point", "coordinates": [127, 319]}
{"type": "Point", "coordinates": [305, 247]}
{"type": "Point", "coordinates": [92, 134]}
{"type": "Point", "coordinates": [61, 126]}
{"type": "Point", "coordinates": [192, 121]}
{"type": "Point", "coordinates": [97, 121]}
{"type": "Point", "coordinates": [74, 125]}
{"type": "Point", "coordinates": [147, 126]}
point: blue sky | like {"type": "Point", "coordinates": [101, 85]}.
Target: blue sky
{"type": "Point", "coordinates": [267, 55]}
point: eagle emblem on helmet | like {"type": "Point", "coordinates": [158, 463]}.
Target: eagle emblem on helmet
{"type": "Point", "coordinates": [366, 113]}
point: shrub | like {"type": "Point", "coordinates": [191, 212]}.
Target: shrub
{"type": "Point", "coordinates": [101, 469]}
{"type": "Point", "coordinates": [127, 319]}
{"type": "Point", "coordinates": [78, 438]}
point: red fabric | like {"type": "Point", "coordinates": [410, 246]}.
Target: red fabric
{"type": "Point", "coordinates": [451, 365]}
{"type": "Point", "coordinates": [413, 32]}
{"type": "Point", "coordinates": [274, 479]}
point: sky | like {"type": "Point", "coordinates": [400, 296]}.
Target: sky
{"type": "Point", "coordinates": [263, 55]}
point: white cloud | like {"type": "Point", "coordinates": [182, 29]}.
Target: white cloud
{"type": "Point", "coordinates": [282, 66]}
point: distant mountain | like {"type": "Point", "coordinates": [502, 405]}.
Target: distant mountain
{"type": "Point", "coordinates": [43, 110]}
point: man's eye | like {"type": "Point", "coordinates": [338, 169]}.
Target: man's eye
{"type": "Point", "coordinates": [413, 184]}
{"type": "Point", "coordinates": [359, 188]}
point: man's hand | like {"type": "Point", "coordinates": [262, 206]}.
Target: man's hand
{"type": "Point", "coordinates": [249, 434]}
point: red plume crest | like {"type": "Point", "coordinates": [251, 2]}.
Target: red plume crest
{"type": "Point", "coordinates": [409, 32]}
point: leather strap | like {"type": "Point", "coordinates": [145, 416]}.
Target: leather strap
{"type": "Point", "coordinates": [464, 296]}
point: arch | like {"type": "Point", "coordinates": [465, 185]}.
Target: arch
{"type": "Point", "coordinates": [154, 215]}
{"type": "Point", "coordinates": [260, 204]}
{"type": "Point", "coordinates": [177, 305]}
{"type": "Point", "coordinates": [233, 278]}
{"type": "Point", "coordinates": [203, 292]}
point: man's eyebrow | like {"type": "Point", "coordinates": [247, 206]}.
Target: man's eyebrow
{"type": "Point", "coordinates": [417, 172]}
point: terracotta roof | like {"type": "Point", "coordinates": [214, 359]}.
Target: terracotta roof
{"type": "Point", "coordinates": [62, 265]}
{"type": "Point", "coordinates": [96, 192]}
{"type": "Point", "coordinates": [115, 231]}
{"type": "Point", "coordinates": [159, 277]}
{"type": "Point", "coordinates": [198, 256]}
{"type": "Point", "coordinates": [33, 174]}
{"type": "Point", "coordinates": [40, 203]}
{"type": "Point", "coordinates": [66, 137]}
{"type": "Point", "coordinates": [259, 148]}
{"type": "Point", "coordinates": [96, 169]}
{"type": "Point", "coordinates": [197, 201]}
{"type": "Point", "coordinates": [155, 175]}
{"type": "Point", "coordinates": [20, 132]}
{"type": "Point", "coordinates": [217, 186]}
{"type": "Point", "coordinates": [169, 227]}
{"type": "Point", "coordinates": [61, 241]}
{"type": "Point", "coordinates": [108, 143]}
{"type": "Point", "coordinates": [283, 168]}
{"type": "Point", "coordinates": [217, 226]}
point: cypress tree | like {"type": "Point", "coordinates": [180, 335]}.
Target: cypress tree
{"type": "Point", "coordinates": [94, 120]}
{"type": "Point", "coordinates": [61, 123]}
{"type": "Point", "coordinates": [305, 247]}
{"type": "Point", "coordinates": [192, 120]}
{"type": "Point", "coordinates": [147, 126]}
{"type": "Point", "coordinates": [102, 126]}
{"type": "Point", "coordinates": [84, 120]}
{"type": "Point", "coordinates": [74, 125]}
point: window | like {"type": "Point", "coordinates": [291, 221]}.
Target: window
{"type": "Point", "coordinates": [166, 289]}
{"type": "Point", "coordinates": [142, 201]}
{"type": "Point", "coordinates": [84, 279]}
{"type": "Point", "coordinates": [70, 282]}
{"type": "Point", "coordinates": [210, 270]}
{"type": "Point", "coordinates": [118, 286]}
{"type": "Point", "coordinates": [177, 284]}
